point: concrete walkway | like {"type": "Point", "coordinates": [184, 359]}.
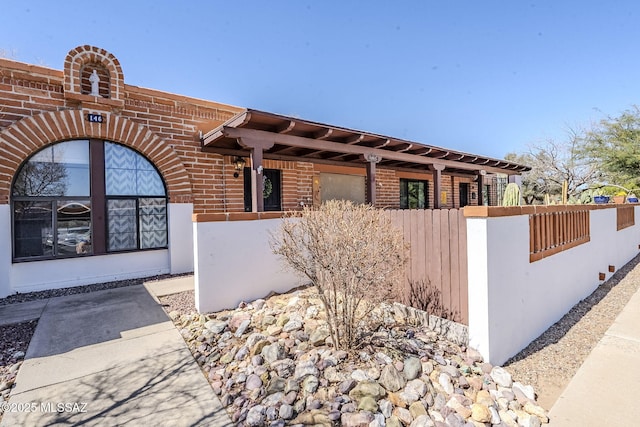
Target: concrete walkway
{"type": "Point", "coordinates": [604, 390]}
{"type": "Point", "coordinates": [110, 357]}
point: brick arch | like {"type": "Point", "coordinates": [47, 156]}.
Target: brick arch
{"type": "Point", "coordinates": [20, 140]}
{"type": "Point", "coordinates": [80, 56]}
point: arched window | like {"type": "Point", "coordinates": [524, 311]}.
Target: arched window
{"type": "Point", "coordinates": [84, 197]}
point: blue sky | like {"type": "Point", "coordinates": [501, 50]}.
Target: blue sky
{"type": "Point", "coordinates": [484, 77]}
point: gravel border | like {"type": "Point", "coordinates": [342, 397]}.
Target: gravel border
{"type": "Point", "coordinates": [51, 293]}
{"type": "Point", "coordinates": [551, 360]}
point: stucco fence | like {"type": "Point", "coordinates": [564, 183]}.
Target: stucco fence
{"type": "Point", "coordinates": [512, 299]}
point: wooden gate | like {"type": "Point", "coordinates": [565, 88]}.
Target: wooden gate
{"type": "Point", "coordinates": [437, 268]}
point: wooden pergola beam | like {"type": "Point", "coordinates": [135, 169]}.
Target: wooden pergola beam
{"type": "Point", "coordinates": [320, 145]}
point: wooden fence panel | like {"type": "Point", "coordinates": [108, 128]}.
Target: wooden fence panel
{"type": "Point", "coordinates": [437, 260]}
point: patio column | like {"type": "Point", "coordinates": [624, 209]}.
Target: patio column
{"type": "Point", "coordinates": [371, 159]}
{"type": "Point", "coordinates": [437, 183]}
{"type": "Point", "coordinates": [257, 147]}
{"type": "Point", "coordinates": [480, 180]}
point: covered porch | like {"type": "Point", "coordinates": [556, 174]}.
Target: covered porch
{"type": "Point", "coordinates": [259, 135]}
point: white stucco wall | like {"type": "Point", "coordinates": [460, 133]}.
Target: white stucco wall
{"type": "Point", "coordinates": [180, 238]}
{"type": "Point", "coordinates": [234, 263]}
{"type": "Point", "coordinates": [512, 301]}
{"type": "Point", "coordinates": [62, 273]}
{"type": "Point", "coordinates": [5, 250]}
{"type": "Point", "coordinates": [52, 274]}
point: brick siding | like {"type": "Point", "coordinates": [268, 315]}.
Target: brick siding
{"type": "Point", "coordinates": [40, 106]}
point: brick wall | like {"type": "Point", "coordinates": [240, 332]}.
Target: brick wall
{"type": "Point", "coordinates": [40, 106]}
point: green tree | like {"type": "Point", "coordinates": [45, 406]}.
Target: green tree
{"type": "Point", "coordinates": [614, 143]}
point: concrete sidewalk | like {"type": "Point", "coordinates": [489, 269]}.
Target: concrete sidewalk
{"type": "Point", "coordinates": [110, 357]}
{"type": "Point", "coordinates": [604, 390]}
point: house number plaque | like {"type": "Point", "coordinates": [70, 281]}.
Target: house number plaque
{"type": "Point", "coordinates": [95, 118]}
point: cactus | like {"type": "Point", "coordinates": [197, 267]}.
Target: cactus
{"type": "Point", "coordinates": [511, 195]}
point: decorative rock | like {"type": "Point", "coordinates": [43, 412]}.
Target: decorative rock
{"type": "Point", "coordinates": [455, 420]}
{"type": "Point", "coordinates": [445, 381]}
{"type": "Point", "coordinates": [386, 407]}
{"type": "Point", "coordinates": [391, 379]}
{"type": "Point", "coordinates": [273, 352]}
{"type": "Point", "coordinates": [346, 386]}
{"type": "Point", "coordinates": [258, 304]}
{"type": "Point", "coordinates": [475, 383]}
{"type": "Point", "coordinates": [480, 413]}
{"type": "Point", "coordinates": [452, 371]}
{"type": "Point", "coordinates": [253, 382]}
{"type": "Point", "coordinates": [422, 421]}
{"type": "Point", "coordinates": [456, 404]}
{"type": "Point", "coordinates": [258, 347]}
{"type": "Point", "coordinates": [495, 416]}
{"type": "Point", "coordinates": [268, 320]}
{"type": "Point", "coordinates": [368, 403]}
{"type": "Point", "coordinates": [484, 398]}
{"type": "Point", "coordinates": [318, 336]}
{"type": "Point", "coordinates": [397, 399]}
{"type": "Point", "coordinates": [367, 388]}
{"type": "Point", "coordinates": [403, 415]}
{"type": "Point", "coordinates": [242, 328]}
{"type": "Point", "coordinates": [276, 384]}
{"type": "Point", "coordinates": [527, 420]}
{"type": "Point", "coordinates": [286, 412]}
{"type": "Point", "coordinates": [237, 320]}
{"type": "Point", "coordinates": [305, 368]}
{"type": "Point", "coordinates": [360, 375]}
{"type": "Point", "coordinates": [310, 384]}
{"type": "Point", "coordinates": [215, 326]}
{"type": "Point", "coordinates": [536, 410]}
{"type": "Point", "coordinates": [416, 386]}
{"type": "Point", "coordinates": [255, 416]}
{"type": "Point", "coordinates": [284, 367]}
{"type": "Point", "coordinates": [334, 415]}
{"type": "Point", "coordinates": [393, 421]}
{"type": "Point", "coordinates": [427, 368]}
{"type": "Point", "coordinates": [290, 397]}
{"type": "Point", "coordinates": [507, 419]}
{"type": "Point", "coordinates": [356, 419]}
{"type": "Point", "coordinates": [272, 400]}
{"type": "Point", "coordinates": [501, 377]}
{"type": "Point", "coordinates": [254, 338]}
{"type": "Point", "coordinates": [526, 390]}
{"type": "Point", "coordinates": [417, 409]}
{"type": "Point", "coordinates": [412, 368]}
{"type": "Point", "coordinates": [383, 359]}
{"type": "Point", "coordinates": [314, 417]}
{"type": "Point", "coordinates": [292, 325]}
{"type": "Point", "coordinates": [291, 386]}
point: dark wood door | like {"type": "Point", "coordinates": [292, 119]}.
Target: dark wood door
{"type": "Point", "coordinates": [464, 194]}
{"type": "Point", "coordinates": [272, 190]}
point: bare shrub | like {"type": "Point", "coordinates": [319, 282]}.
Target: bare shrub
{"type": "Point", "coordinates": [351, 253]}
{"type": "Point", "coordinates": [425, 297]}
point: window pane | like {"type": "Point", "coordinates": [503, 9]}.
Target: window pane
{"type": "Point", "coordinates": [153, 223]}
{"type": "Point", "coordinates": [121, 223]}
{"type": "Point", "coordinates": [74, 227]}
{"type": "Point", "coordinates": [58, 170]}
{"type": "Point", "coordinates": [404, 197]}
{"type": "Point", "coordinates": [416, 194]}
{"type": "Point", "coordinates": [127, 173]}
{"type": "Point", "coordinates": [33, 231]}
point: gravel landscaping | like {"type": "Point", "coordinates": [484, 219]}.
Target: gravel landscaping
{"type": "Point", "coordinates": [256, 384]}
{"type": "Point", "coordinates": [549, 362]}
{"type": "Point", "coordinates": [271, 364]}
